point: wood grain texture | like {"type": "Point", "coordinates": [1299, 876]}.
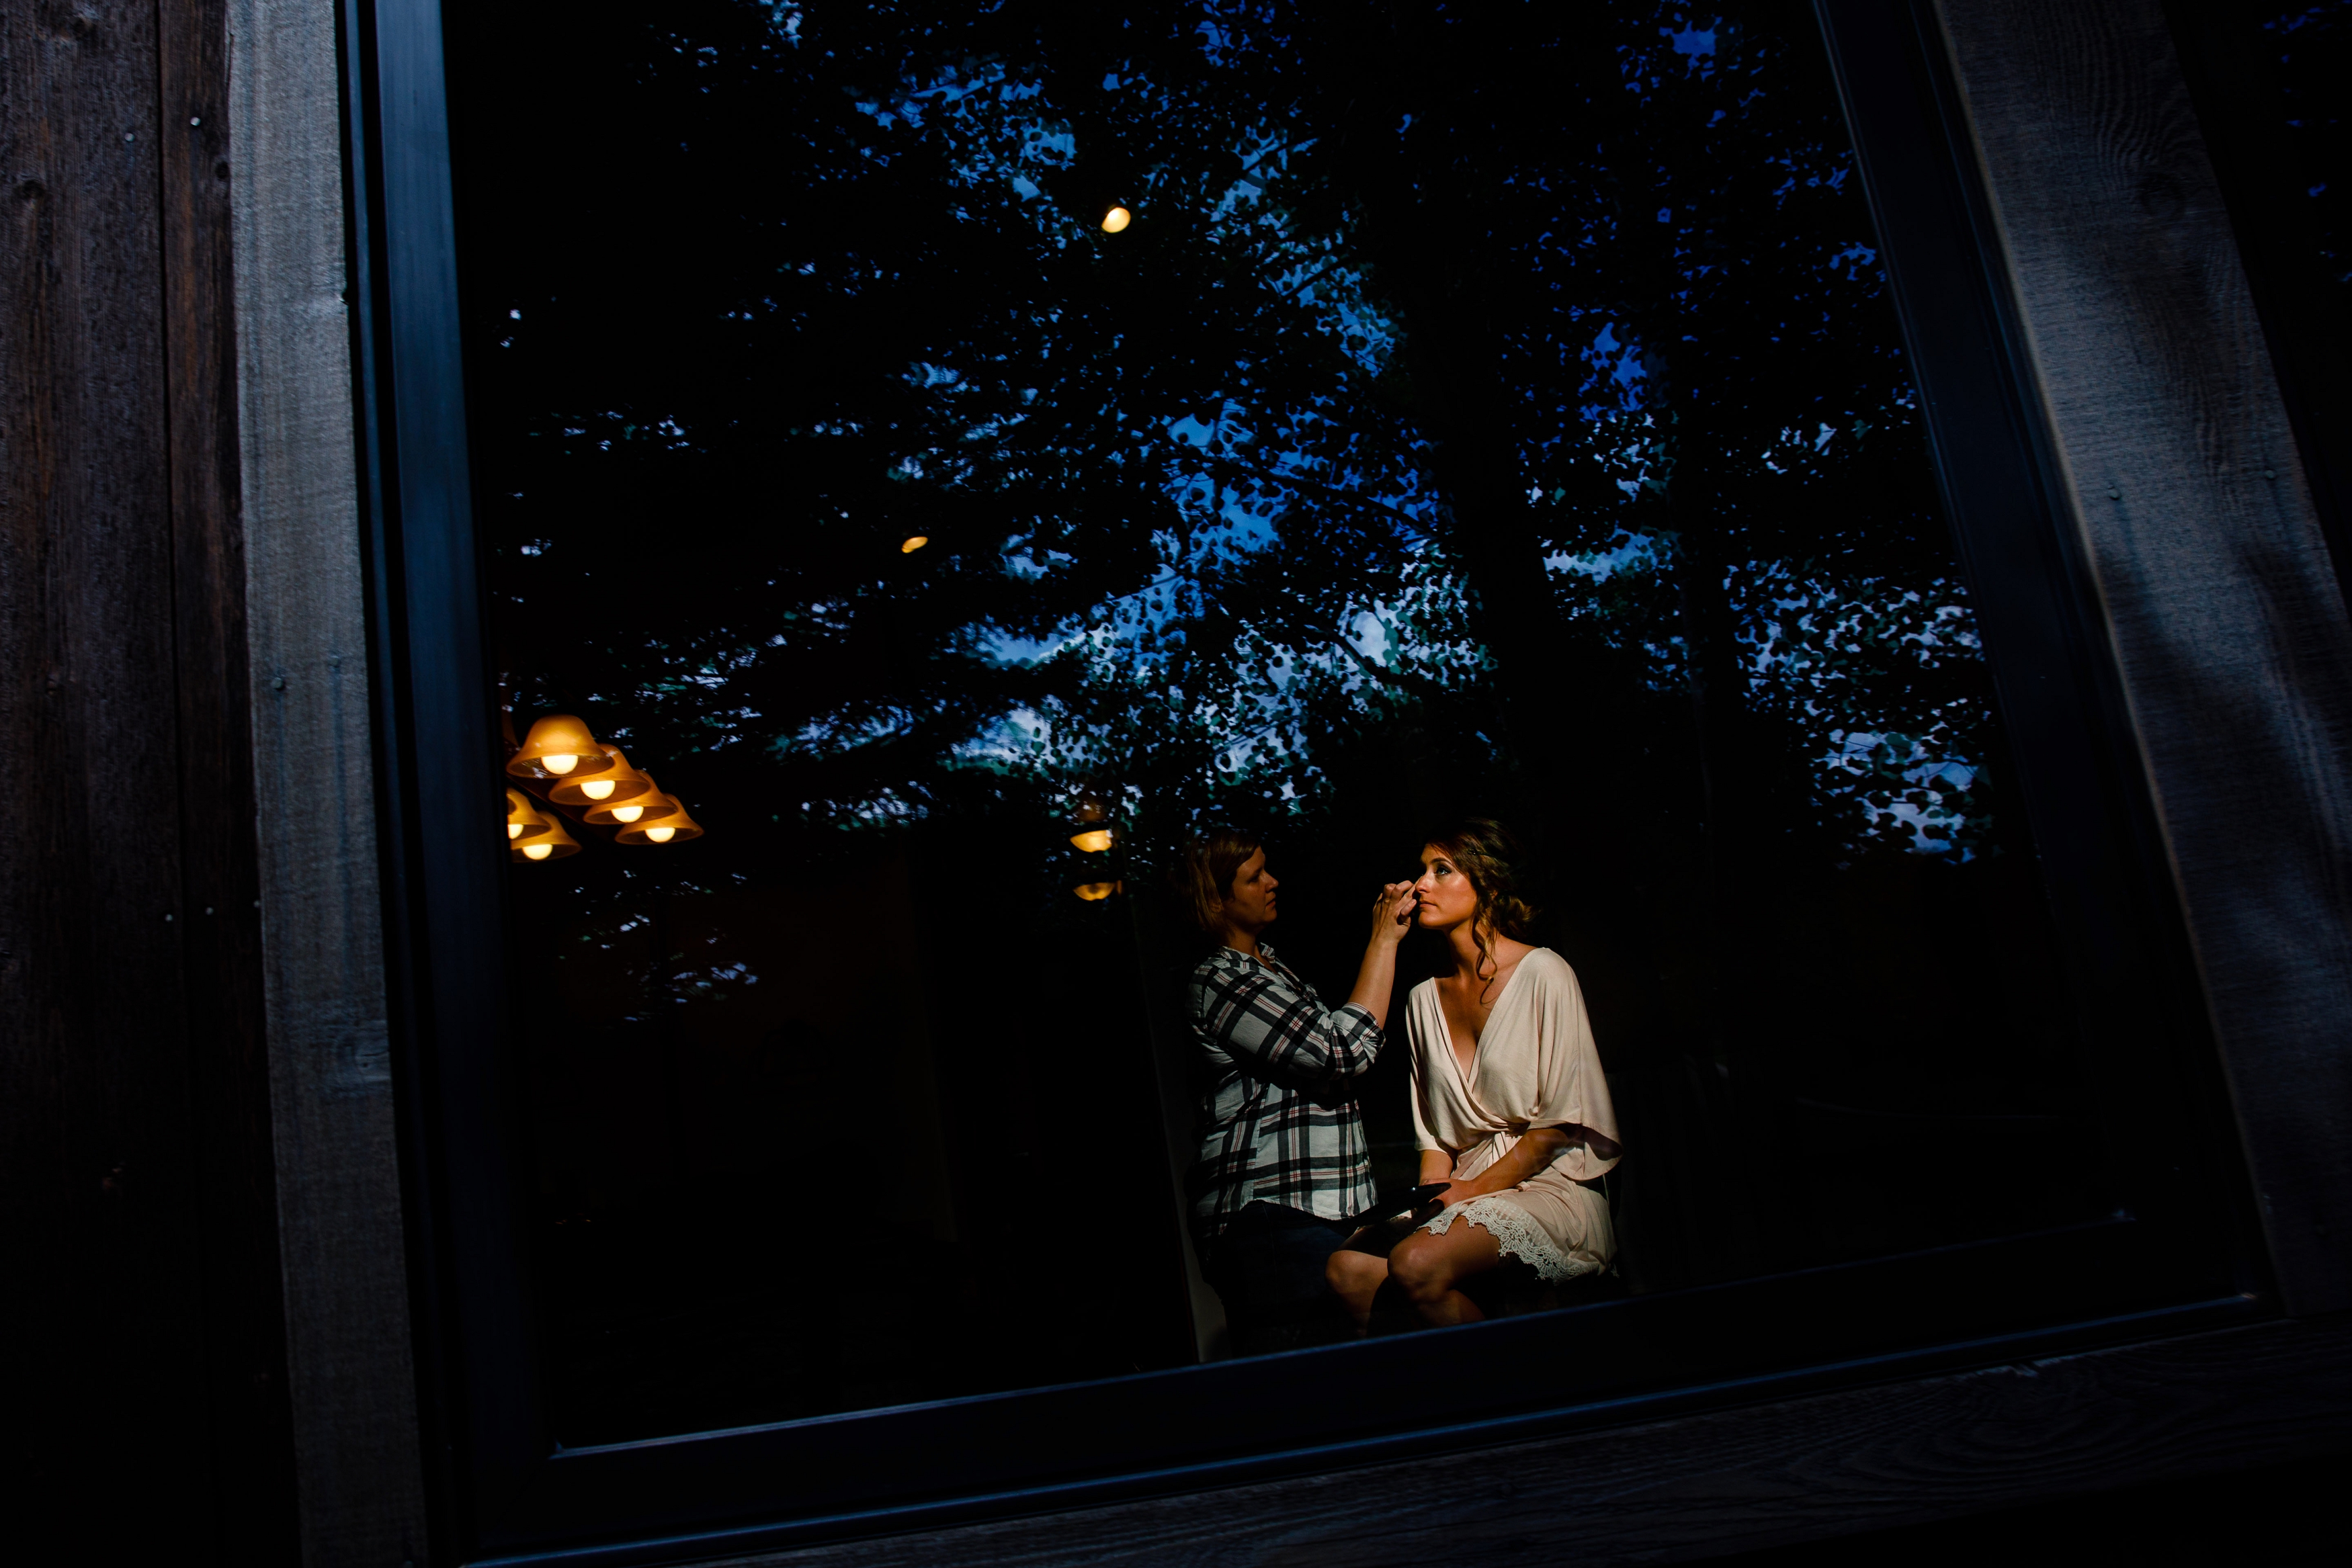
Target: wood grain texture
{"type": "Point", "coordinates": [252, 1453]}
{"type": "Point", "coordinates": [96, 1158]}
{"type": "Point", "coordinates": [2181, 472]}
{"type": "Point", "coordinates": [1865, 1459]}
{"type": "Point", "coordinates": [135, 1172]}
{"type": "Point", "coordinates": [338, 1201]}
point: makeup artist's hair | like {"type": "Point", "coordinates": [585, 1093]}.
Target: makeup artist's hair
{"type": "Point", "coordinates": [1204, 876]}
{"type": "Point", "coordinates": [1488, 854]}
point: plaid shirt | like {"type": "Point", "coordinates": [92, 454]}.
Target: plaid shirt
{"type": "Point", "coordinates": [1280, 1123]}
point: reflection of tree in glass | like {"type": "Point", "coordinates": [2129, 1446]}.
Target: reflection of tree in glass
{"type": "Point", "coordinates": [1522, 386]}
{"type": "Point", "coordinates": [1487, 407]}
{"type": "Point", "coordinates": [2310, 43]}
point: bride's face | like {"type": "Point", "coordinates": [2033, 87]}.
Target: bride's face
{"type": "Point", "coordinates": [1447, 899]}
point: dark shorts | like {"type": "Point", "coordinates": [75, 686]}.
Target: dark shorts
{"type": "Point", "coordinates": [1267, 1269]}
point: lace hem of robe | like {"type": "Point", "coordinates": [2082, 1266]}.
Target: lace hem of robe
{"type": "Point", "coordinates": [1517, 1233]}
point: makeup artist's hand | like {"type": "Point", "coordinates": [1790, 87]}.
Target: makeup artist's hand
{"type": "Point", "coordinates": [1393, 912]}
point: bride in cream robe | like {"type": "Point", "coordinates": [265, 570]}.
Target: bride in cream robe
{"type": "Point", "coordinates": [1509, 1106]}
{"type": "Point", "coordinates": [1534, 1066]}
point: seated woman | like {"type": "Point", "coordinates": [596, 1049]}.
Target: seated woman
{"type": "Point", "coordinates": [1283, 1157]}
{"type": "Point", "coordinates": [1509, 1106]}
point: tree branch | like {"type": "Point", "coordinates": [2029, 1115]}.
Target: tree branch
{"type": "Point", "coordinates": [1410, 680]}
{"type": "Point", "coordinates": [1300, 481]}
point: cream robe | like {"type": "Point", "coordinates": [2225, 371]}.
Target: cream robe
{"type": "Point", "coordinates": [1536, 1066]}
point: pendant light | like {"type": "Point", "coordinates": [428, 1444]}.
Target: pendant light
{"type": "Point", "coordinates": [1090, 829]}
{"type": "Point", "coordinates": [523, 819]}
{"type": "Point", "coordinates": [558, 747]}
{"type": "Point", "coordinates": [672, 828]}
{"type": "Point", "coordinates": [1094, 892]}
{"type": "Point", "coordinates": [644, 808]}
{"type": "Point", "coordinates": [616, 783]}
{"type": "Point", "coordinates": [553, 845]}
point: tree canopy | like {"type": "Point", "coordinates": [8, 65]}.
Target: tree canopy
{"type": "Point", "coordinates": [1515, 380]}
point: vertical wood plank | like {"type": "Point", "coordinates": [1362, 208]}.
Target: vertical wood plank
{"type": "Point", "coordinates": [251, 1445]}
{"type": "Point", "coordinates": [2182, 474]}
{"type": "Point", "coordinates": [339, 1197]}
{"type": "Point", "coordinates": [97, 1163]}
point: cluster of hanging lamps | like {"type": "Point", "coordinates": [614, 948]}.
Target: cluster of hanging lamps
{"type": "Point", "coordinates": [577, 770]}
{"type": "Point", "coordinates": [534, 834]}
{"type": "Point", "coordinates": [1092, 834]}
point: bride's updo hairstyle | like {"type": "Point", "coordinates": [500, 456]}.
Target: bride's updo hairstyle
{"type": "Point", "coordinates": [1488, 854]}
{"type": "Point", "coordinates": [1204, 875]}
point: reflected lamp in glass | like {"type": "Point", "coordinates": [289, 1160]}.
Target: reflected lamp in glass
{"type": "Point", "coordinates": [523, 818]}
{"type": "Point", "coordinates": [675, 827]}
{"type": "Point", "coordinates": [644, 807]}
{"type": "Point", "coordinates": [553, 845]}
{"type": "Point", "coordinates": [617, 783]}
{"type": "Point", "coordinates": [558, 747]}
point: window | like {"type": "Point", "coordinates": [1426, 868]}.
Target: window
{"type": "Point", "coordinates": [930, 442]}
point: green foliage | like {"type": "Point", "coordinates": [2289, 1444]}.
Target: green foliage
{"type": "Point", "coordinates": [1468, 375]}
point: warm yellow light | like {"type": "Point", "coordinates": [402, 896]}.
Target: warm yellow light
{"type": "Point", "coordinates": [1115, 220]}
{"type": "Point", "coordinates": [542, 835]}
{"type": "Point", "coordinates": [1094, 841]}
{"type": "Point", "coordinates": [627, 813]}
{"type": "Point", "coordinates": [664, 819]}
{"type": "Point", "coordinates": [557, 744]}
{"type": "Point", "coordinates": [598, 790]}
{"type": "Point", "coordinates": [914, 542]}
{"type": "Point", "coordinates": [523, 821]}
{"type": "Point", "coordinates": [1093, 892]}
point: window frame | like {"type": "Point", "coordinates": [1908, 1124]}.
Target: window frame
{"type": "Point", "coordinates": [505, 1488]}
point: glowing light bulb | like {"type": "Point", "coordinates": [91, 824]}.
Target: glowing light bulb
{"type": "Point", "coordinates": [1094, 841]}
{"type": "Point", "coordinates": [627, 814]}
{"type": "Point", "coordinates": [914, 542]}
{"type": "Point", "coordinates": [659, 835]}
{"type": "Point", "coordinates": [560, 762]}
{"type": "Point", "coordinates": [599, 788]}
{"type": "Point", "coordinates": [537, 851]}
{"type": "Point", "coordinates": [1115, 220]}
{"type": "Point", "coordinates": [1093, 892]}
{"type": "Point", "coordinates": [514, 830]}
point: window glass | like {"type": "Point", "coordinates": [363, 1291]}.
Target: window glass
{"type": "Point", "coordinates": [2309, 44]}
{"type": "Point", "coordinates": [959, 455]}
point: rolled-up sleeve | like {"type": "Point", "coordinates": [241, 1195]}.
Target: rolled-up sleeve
{"type": "Point", "coordinates": [1259, 1017]}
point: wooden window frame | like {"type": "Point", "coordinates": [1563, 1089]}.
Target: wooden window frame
{"type": "Point", "coordinates": [2128, 615]}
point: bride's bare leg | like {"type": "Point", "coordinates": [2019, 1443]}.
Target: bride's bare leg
{"type": "Point", "coordinates": [1356, 1278]}
{"type": "Point", "coordinates": [1429, 1269]}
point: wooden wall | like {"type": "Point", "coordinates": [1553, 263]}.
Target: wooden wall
{"type": "Point", "coordinates": [135, 1168]}
{"type": "Point", "coordinates": [2184, 479]}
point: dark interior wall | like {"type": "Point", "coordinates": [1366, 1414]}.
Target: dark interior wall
{"type": "Point", "coordinates": [135, 1175]}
